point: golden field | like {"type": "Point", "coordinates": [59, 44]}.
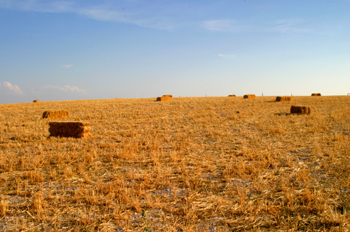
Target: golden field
{"type": "Point", "coordinates": [188, 164]}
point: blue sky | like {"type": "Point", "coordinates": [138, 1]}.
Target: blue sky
{"type": "Point", "coordinates": [99, 49]}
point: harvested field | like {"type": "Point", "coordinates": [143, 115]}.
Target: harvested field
{"type": "Point", "coordinates": [283, 99]}
{"type": "Point", "coordinates": [249, 96]}
{"type": "Point", "coordinates": [56, 114]}
{"type": "Point", "coordinates": [193, 164]}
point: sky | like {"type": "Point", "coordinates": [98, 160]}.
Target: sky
{"type": "Point", "coordinates": [55, 50]}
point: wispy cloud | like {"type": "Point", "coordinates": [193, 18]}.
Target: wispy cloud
{"type": "Point", "coordinates": [157, 16]}
{"type": "Point", "coordinates": [280, 26]}
{"type": "Point", "coordinates": [224, 25]}
{"type": "Point", "coordinates": [104, 14]}
{"type": "Point", "coordinates": [100, 13]}
{"type": "Point", "coordinates": [290, 26]}
{"type": "Point", "coordinates": [101, 10]}
{"type": "Point", "coordinates": [66, 88]}
{"type": "Point", "coordinates": [38, 5]}
{"type": "Point", "coordinates": [67, 65]}
{"type": "Point", "coordinates": [226, 55]}
{"type": "Point", "coordinates": [7, 88]}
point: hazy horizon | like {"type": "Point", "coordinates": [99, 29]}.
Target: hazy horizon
{"type": "Point", "coordinates": [69, 50]}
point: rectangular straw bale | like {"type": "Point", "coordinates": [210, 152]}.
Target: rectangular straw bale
{"type": "Point", "coordinates": [55, 114]}
{"type": "Point", "coordinates": [168, 95]}
{"type": "Point", "coordinates": [69, 129]}
{"type": "Point", "coordinates": [232, 95]}
{"type": "Point", "coordinates": [163, 98]}
{"type": "Point", "coordinates": [300, 110]}
{"type": "Point", "coordinates": [315, 94]}
{"type": "Point", "coordinates": [282, 99]}
{"type": "Point", "coordinates": [35, 101]}
{"type": "Point", "coordinates": [248, 96]}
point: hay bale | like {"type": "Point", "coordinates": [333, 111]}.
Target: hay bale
{"type": "Point", "coordinates": [36, 101]}
{"type": "Point", "coordinates": [282, 99]}
{"type": "Point", "coordinates": [231, 95]}
{"type": "Point", "coordinates": [163, 98]}
{"type": "Point", "coordinates": [315, 94]}
{"type": "Point", "coordinates": [69, 129]}
{"type": "Point", "coordinates": [249, 96]}
{"type": "Point", "coordinates": [168, 96]}
{"type": "Point", "coordinates": [56, 114]}
{"type": "Point", "coordinates": [300, 110]}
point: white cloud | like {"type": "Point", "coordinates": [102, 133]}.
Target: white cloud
{"type": "Point", "coordinates": [67, 65]}
{"type": "Point", "coordinates": [73, 89]}
{"type": "Point", "coordinates": [7, 88]}
{"type": "Point", "coordinates": [66, 88]}
{"type": "Point", "coordinates": [226, 55]}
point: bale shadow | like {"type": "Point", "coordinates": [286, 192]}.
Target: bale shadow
{"type": "Point", "coordinates": [280, 114]}
{"type": "Point", "coordinates": [278, 101]}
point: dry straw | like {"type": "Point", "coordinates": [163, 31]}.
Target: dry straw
{"type": "Point", "coordinates": [248, 96]}
{"type": "Point", "coordinates": [36, 101]}
{"type": "Point", "coordinates": [163, 98]}
{"type": "Point", "coordinates": [168, 95]}
{"type": "Point", "coordinates": [315, 94]}
{"type": "Point", "coordinates": [56, 114]}
{"type": "Point", "coordinates": [69, 129]}
{"type": "Point", "coordinates": [232, 95]}
{"type": "Point", "coordinates": [282, 99]}
{"type": "Point", "coordinates": [300, 110]}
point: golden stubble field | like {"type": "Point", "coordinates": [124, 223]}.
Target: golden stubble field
{"type": "Point", "coordinates": [189, 164]}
